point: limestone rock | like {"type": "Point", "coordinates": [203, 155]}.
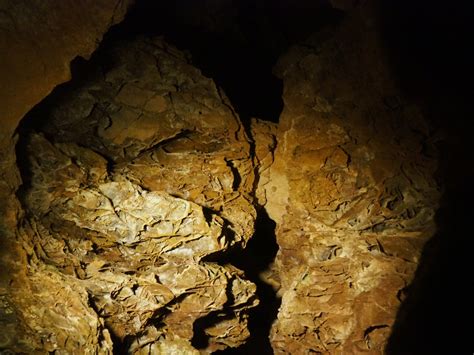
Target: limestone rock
{"type": "Point", "coordinates": [135, 179]}
{"type": "Point", "coordinates": [352, 191]}
{"type": "Point", "coordinates": [193, 133]}
{"type": "Point", "coordinates": [38, 41]}
{"type": "Point", "coordinates": [140, 176]}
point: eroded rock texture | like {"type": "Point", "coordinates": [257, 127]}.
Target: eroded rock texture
{"type": "Point", "coordinates": [137, 175]}
{"type": "Point", "coordinates": [352, 192]}
{"type": "Point", "coordinates": [38, 41]}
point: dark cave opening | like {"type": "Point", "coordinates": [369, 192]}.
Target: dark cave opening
{"type": "Point", "coordinates": [236, 42]}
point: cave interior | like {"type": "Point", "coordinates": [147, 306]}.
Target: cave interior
{"type": "Point", "coordinates": [228, 80]}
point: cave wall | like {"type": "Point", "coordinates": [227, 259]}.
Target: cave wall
{"type": "Point", "coordinates": [347, 175]}
{"type": "Point", "coordinates": [38, 41]}
{"type": "Point", "coordinates": [352, 191]}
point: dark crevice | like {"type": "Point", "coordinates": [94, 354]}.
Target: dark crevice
{"type": "Point", "coordinates": [235, 172]}
{"type": "Point", "coordinates": [257, 257]}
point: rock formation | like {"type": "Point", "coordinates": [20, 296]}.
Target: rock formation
{"type": "Point", "coordinates": [352, 192]}
{"type": "Point", "coordinates": [38, 41]}
{"type": "Point", "coordinates": [136, 176]}
{"type": "Point", "coordinates": [139, 180]}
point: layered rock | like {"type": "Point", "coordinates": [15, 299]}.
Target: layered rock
{"type": "Point", "coordinates": [138, 174]}
{"type": "Point", "coordinates": [38, 41]}
{"type": "Point", "coordinates": [352, 192]}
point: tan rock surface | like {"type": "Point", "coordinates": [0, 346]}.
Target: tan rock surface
{"type": "Point", "coordinates": [38, 40]}
{"type": "Point", "coordinates": [264, 140]}
{"type": "Point", "coordinates": [143, 176]}
{"type": "Point", "coordinates": [352, 192]}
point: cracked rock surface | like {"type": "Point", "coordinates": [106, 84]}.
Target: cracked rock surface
{"type": "Point", "coordinates": [352, 192]}
{"type": "Point", "coordinates": [139, 179]}
{"type": "Point", "coordinates": [139, 173]}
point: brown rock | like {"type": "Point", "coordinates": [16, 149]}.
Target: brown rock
{"type": "Point", "coordinates": [38, 40]}
{"type": "Point", "coordinates": [351, 192]}
{"type": "Point", "coordinates": [141, 176]}
{"type": "Point", "coordinates": [129, 210]}
{"type": "Point", "coordinates": [264, 137]}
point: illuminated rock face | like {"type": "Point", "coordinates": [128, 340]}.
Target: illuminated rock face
{"type": "Point", "coordinates": [138, 177]}
{"type": "Point", "coordinates": [352, 192]}
{"type": "Point", "coordinates": [145, 174]}
{"type": "Point", "coordinates": [38, 41]}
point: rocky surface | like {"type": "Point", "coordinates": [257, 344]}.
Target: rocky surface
{"type": "Point", "coordinates": [136, 176]}
{"type": "Point", "coordinates": [139, 177]}
{"type": "Point", "coordinates": [38, 41]}
{"type": "Point", "coordinates": [352, 192]}
{"type": "Point", "coordinates": [264, 140]}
